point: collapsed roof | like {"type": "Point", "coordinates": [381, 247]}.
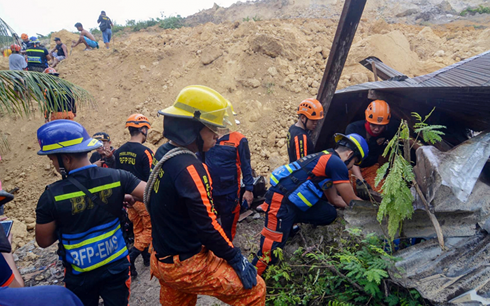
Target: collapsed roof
{"type": "Point", "coordinates": [459, 92]}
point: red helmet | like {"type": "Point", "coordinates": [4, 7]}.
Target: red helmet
{"type": "Point", "coordinates": [15, 48]}
{"type": "Point", "coordinates": [51, 71]}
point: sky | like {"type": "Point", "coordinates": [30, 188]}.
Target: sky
{"type": "Point", "coordinates": [44, 17]}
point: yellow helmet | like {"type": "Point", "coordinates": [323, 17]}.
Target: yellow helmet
{"type": "Point", "coordinates": [203, 104]}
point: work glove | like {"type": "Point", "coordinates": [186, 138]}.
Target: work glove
{"type": "Point", "coordinates": [244, 269]}
{"type": "Point", "coordinates": [363, 189]}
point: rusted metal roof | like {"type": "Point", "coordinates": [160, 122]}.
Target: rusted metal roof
{"type": "Point", "coordinates": [380, 69]}
{"type": "Point", "coordinates": [459, 92]}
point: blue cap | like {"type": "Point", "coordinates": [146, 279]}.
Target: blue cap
{"type": "Point", "coordinates": [65, 136]}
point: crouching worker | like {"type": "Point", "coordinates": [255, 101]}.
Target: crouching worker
{"type": "Point", "coordinates": [297, 189]}
{"type": "Point", "coordinates": [377, 129]}
{"type": "Point", "coordinates": [82, 211]}
{"type": "Point", "coordinates": [191, 253]}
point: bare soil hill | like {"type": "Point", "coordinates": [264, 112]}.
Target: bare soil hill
{"type": "Point", "coordinates": [264, 68]}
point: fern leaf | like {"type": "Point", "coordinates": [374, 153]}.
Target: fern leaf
{"type": "Point", "coordinates": [380, 173]}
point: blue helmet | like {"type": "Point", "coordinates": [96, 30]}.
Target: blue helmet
{"type": "Point", "coordinates": [65, 136]}
{"type": "Point", "coordinates": [356, 143]}
{"type": "Point", "coordinates": [33, 38]}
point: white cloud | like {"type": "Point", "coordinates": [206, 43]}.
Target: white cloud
{"type": "Point", "coordinates": [36, 16]}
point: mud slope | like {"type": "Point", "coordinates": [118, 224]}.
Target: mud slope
{"type": "Point", "coordinates": [264, 68]}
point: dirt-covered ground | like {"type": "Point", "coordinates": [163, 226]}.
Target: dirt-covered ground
{"type": "Point", "coordinates": [264, 68]}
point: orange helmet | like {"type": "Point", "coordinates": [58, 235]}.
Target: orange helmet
{"type": "Point", "coordinates": [138, 121]}
{"type": "Point", "coordinates": [50, 71]}
{"type": "Point", "coordinates": [15, 48]}
{"type": "Point", "coordinates": [24, 36]}
{"type": "Point", "coordinates": [378, 112]}
{"type": "Point", "coordinates": [311, 108]}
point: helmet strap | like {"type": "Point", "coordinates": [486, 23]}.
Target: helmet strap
{"type": "Point", "coordinates": [145, 134]}
{"type": "Point", "coordinates": [62, 167]}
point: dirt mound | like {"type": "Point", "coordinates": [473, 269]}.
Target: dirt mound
{"type": "Point", "coordinates": [264, 68]}
{"type": "Point", "coordinates": [66, 38]}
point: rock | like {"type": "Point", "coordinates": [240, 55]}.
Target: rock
{"type": "Point", "coordinates": [267, 45]}
{"type": "Point", "coordinates": [210, 54]}
{"type": "Point", "coordinates": [142, 67]}
{"type": "Point", "coordinates": [439, 53]}
{"type": "Point", "coordinates": [29, 220]}
{"type": "Point", "coordinates": [358, 78]}
{"type": "Point", "coordinates": [272, 71]}
{"type": "Point", "coordinates": [271, 139]}
{"type": "Point", "coordinates": [408, 12]}
{"type": "Point", "coordinates": [254, 83]}
{"type": "Point", "coordinates": [31, 226]}
{"type": "Point", "coordinates": [19, 233]}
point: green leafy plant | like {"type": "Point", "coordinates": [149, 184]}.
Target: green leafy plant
{"type": "Point", "coordinates": [353, 271]}
{"type": "Point", "coordinates": [397, 197]}
{"type": "Point", "coordinates": [172, 22]}
{"type": "Point", "coordinates": [472, 11]}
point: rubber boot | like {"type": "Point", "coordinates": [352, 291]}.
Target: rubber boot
{"type": "Point", "coordinates": [146, 257]}
{"type": "Point", "coordinates": [133, 254]}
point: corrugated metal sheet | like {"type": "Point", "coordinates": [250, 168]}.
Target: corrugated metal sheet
{"type": "Point", "coordinates": [383, 71]}
{"type": "Point", "coordinates": [459, 92]}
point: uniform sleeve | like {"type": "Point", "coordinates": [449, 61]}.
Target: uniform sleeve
{"type": "Point", "coordinates": [309, 148]}
{"type": "Point", "coordinates": [194, 186]}
{"type": "Point", "coordinates": [6, 275]}
{"type": "Point", "coordinates": [350, 129]}
{"type": "Point", "coordinates": [117, 164]}
{"type": "Point", "coordinates": [128, 181]}
{"type": "Point", "coordinates": [337, 170]}
{"type": "Point", "coordinates": [244, 153]}
{"type": "Point", "coordinates": [94, 157]}
{"type": "Point", "coordinates": [45, 210]}
{"type": "Point", "coordinates": [147, 162]}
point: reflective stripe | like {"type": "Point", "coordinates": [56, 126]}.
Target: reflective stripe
{"type": "Point", "coordinates": [92, 240]}
{"type": "Point", "coordinates": [34, 50]}
{"type": "Point", "coordinates": [81, 193]}
{"type": "Point", "coordinates": [62, 144]}
{"type": "Point", "coordinates": [289, 169]}
{"type": "Point", "coordinates": [358, 145]}
{"type": "Point", "coordinates": [273, 178]}
{"type": "Point", "coordinates": [102, 263]}
{"type": "Point", "coordinates": [304, 200]}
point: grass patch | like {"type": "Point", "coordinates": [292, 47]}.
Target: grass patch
{"type": "Point", "coordinates": [472, 11]}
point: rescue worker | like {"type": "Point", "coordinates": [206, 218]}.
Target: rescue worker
{"type": "Point", "coordinates": [377, 129]}
{"type": "Point", "coordinates": [25, 44]}
{"type": "Point", "coordinates": [37, 57]}
{"type": "Point", "coordinates": [297, 189]}
{"type": "Point", "coordinates": [104, 156]}
{"type": "Point", "coordinates": [299, 135]}
{"type": "Point", "coordinates": [82, 211]}
{"type": "Point", "coordinates": [227, 161]}
{"type": "Point", "coordinates": [66, 108]}
{"type": "Point", "coordinates": [191, 253]}
{"type": "Point", "coordinates": [136, 158]}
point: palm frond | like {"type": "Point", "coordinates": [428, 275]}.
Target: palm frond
{"type": "Point", "coordinates": [20, 89]}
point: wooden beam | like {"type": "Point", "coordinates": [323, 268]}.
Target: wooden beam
{"type": "Point", "coordinates": [346, 30]}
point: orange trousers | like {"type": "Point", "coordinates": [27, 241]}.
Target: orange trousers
{"type": "Point", "coordinates": [204, 274]}
{"type": "Point", "coordinates": [62, 115]}
{"type": "Point", "coordinates": [141, 225]}
{"type": "Point", "coordinates": [369, 175]}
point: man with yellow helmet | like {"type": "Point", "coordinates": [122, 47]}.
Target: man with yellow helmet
{"type": "Point", "coordinates": [191, 253]}
{"type": "Point", "coordinates": [136, 158]}
{"type": "Point", "coordinates": [377, 129]}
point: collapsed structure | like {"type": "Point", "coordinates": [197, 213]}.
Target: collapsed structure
{"type": "Point", "coordinates": [454, 175]}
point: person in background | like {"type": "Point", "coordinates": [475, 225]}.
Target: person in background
{"type": "Point", "coordinates": [25, 44]}
{"type": "Point", "coordinates": [105, 25]}
{"type": "Point", "coordinates": [37, 56]}
{"type": "Point", "coordinates": [103, 156]}
{"type": "Point", "coordinates": [16, 60]}
{"type": "Point", "coordinates": [85, 38]}
{"type": "Point", "coordinates": [59, 52]}
{"type": "Point", "coordinates": [66, 108]}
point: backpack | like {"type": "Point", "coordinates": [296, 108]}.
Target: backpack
{"type": "Point", "coordinates": [300, 185]}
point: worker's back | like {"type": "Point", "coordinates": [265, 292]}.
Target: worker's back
{"type": "Point", "coordinates": [135, 158]}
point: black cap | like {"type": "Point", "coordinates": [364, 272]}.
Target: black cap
{"type": "Point", "coordinates": [78, 24]}
{"type": "Point", "coordinates": [102, 136]}
{"type": "Point", "coordinates": [57, 38]}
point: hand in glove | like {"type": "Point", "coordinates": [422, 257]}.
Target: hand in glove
{"type": "Point", "coordinates": [363, 189]}
{"type": "Point", "coordinates": [245, 270]}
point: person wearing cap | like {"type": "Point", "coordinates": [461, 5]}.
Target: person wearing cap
{"type": "Point", "coordinates": [297, 190]}
{"type": "Point", "coordinates": [82, 211]}
{"type": "Point", "coordinates": [16, 60]}
{"type": "Point", "coordinates": [227, 161]}
{"type": "Point", "coordinates": [105, 25]}
{"type": "Point", "coordinates": [378, 128]}
{"type": "Point", "coordinates": [192, 255]}
{"type": "Point", "coordinates": [104, 156]}
{"type": "Point", "coordinates": [25, 43]}
{"type": "Point", "coordinates": [59, 52]}
{"type": "Point", "coordinates": [37, 56]}
{"type": "Point", "coordinates": [136, 158]}
{"type": "Point", "coordinates": [85, 38]}
{"type": "Point", "coordinates": [66, 108]}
